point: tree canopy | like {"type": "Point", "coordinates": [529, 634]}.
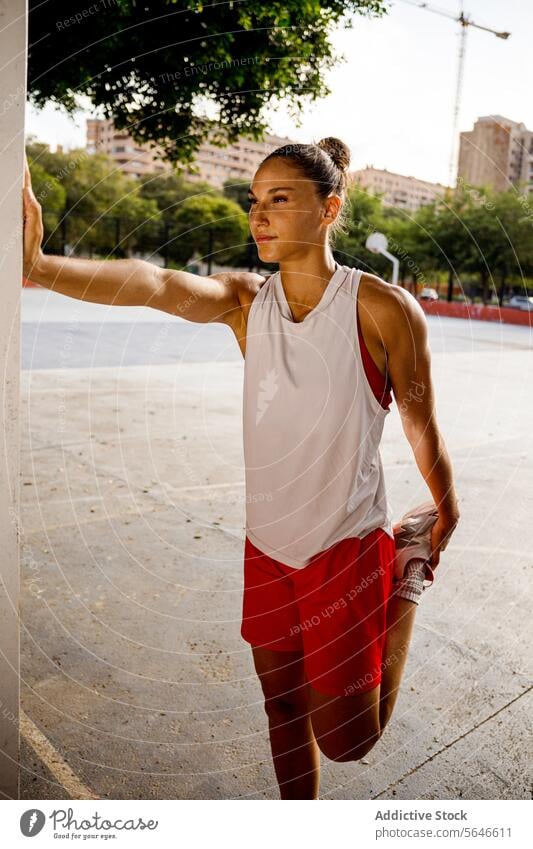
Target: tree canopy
{"type": "Point", "coordinates": [175, 72]}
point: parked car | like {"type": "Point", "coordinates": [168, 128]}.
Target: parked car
{"type": "Point", "coordinates": [521, 302]}
{"type": "Point", "coordinates": [428, 294]}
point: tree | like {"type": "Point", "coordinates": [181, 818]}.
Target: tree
{"type": "Point", "coordinates": [168, 190]}
{"type": "Point", "coordinates": [211, 226]}
{"type": "Point", "coordinates": [495, 240]}
{"type": "Point", "coordinates": [442, 243]}
{"type": "Point", "coordinates": [51, 195]}
{"type": "Point", "coordinates": [404, 243]}
{"type": "Point", "coordinates": [364, 217]}
{"type": "Point", "coordinates": [181, 204]}
{"type": "Point", "coordinates": [248, 257]}
{"type": "Point", "coordinates": [174, 72]}
{"type": "Point", "coordinates": [103, 210]}
{"type": "Point", "coordinates": [515, 218]}
{"type": "Point", "coordinates": [238, 192]}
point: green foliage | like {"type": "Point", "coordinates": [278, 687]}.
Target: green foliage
{"type": "Point", "coordinates": [196, 220]}
{"type": "Point", "coordinates": [247, 256]}
{"type": "Point", "coordinates": [50, 194]}
{"type": "Point", "coordinates": [471, 233]}
{"type": "Point", "coordinates": [96, 197]}
{"type": "Point", "coordinates": [365, 217]}
{"type": "Point", "coordinates": [238, 192]}
{"type": "Point", "coordinates": [109, 213]}
{"type": "Point", "coordinates": [154, 66]}
{"type": "Point", "coordinates": [209, 224]}
{"type": "Point", "coordinates": [168, 190]}
{"type": "Point", "coordinates": [476, 232]}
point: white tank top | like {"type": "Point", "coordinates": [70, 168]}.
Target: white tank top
{"type": "Point", "coordinates": [311, 425]}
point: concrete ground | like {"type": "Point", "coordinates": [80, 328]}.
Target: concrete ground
{"type": "Point", "coordinates": [135, 680]}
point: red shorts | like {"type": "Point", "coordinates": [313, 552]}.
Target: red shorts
{"type": "Point", "coordinates": [333, 610]}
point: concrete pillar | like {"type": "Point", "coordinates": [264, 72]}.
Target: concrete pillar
{"type": "Point", "coordinates": [13, 38]}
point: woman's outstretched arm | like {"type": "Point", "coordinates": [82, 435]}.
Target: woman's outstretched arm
{"type": "Point", "coordinates": [129, 282]}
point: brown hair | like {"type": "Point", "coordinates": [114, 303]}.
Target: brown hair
{"type": "Point", "coordinates": [326, 164]}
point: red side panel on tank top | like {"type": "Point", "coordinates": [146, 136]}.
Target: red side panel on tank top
{"type": "Point", "coordinates": [380, 385]}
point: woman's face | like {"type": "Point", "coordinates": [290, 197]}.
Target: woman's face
{"type": "Point", "coordinates": [286, 214]}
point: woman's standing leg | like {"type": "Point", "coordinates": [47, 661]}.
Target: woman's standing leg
{"type": "Point", "coordinates": [295, 752]}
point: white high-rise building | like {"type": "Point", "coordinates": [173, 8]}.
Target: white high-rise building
{"type": "Point", "coordinates": [497, 153]}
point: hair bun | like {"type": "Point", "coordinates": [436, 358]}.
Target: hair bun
{"type": "Point", "coordinates": [338, 151]}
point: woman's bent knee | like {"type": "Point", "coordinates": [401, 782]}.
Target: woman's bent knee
{"type": "Point", "coordinates": [342, 750]}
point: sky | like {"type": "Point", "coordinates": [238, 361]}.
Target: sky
{"type": "Point", "coordinates": [392, 100]}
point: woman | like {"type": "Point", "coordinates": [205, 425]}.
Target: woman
{"type": "Point", "coordinates": [324, 345]}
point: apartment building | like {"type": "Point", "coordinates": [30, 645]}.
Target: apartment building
{"type": "Point", "coordinates": [396, 189]}
{"type": "Point", "coordinates": [497, 153]}
{"type": "Point", "coordinates": [236, 162]}
{"type": "Point", "coordinates": [132, 158]}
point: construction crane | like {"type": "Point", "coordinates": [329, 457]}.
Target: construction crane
{"type": "Point", "coordinates": [465, 21]}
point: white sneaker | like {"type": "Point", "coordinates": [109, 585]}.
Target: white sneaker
{"type": "Point", "coordinates": [412, 563]}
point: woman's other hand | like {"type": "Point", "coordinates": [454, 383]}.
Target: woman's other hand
{"type": "Point", "coordinates": [33, 226]}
